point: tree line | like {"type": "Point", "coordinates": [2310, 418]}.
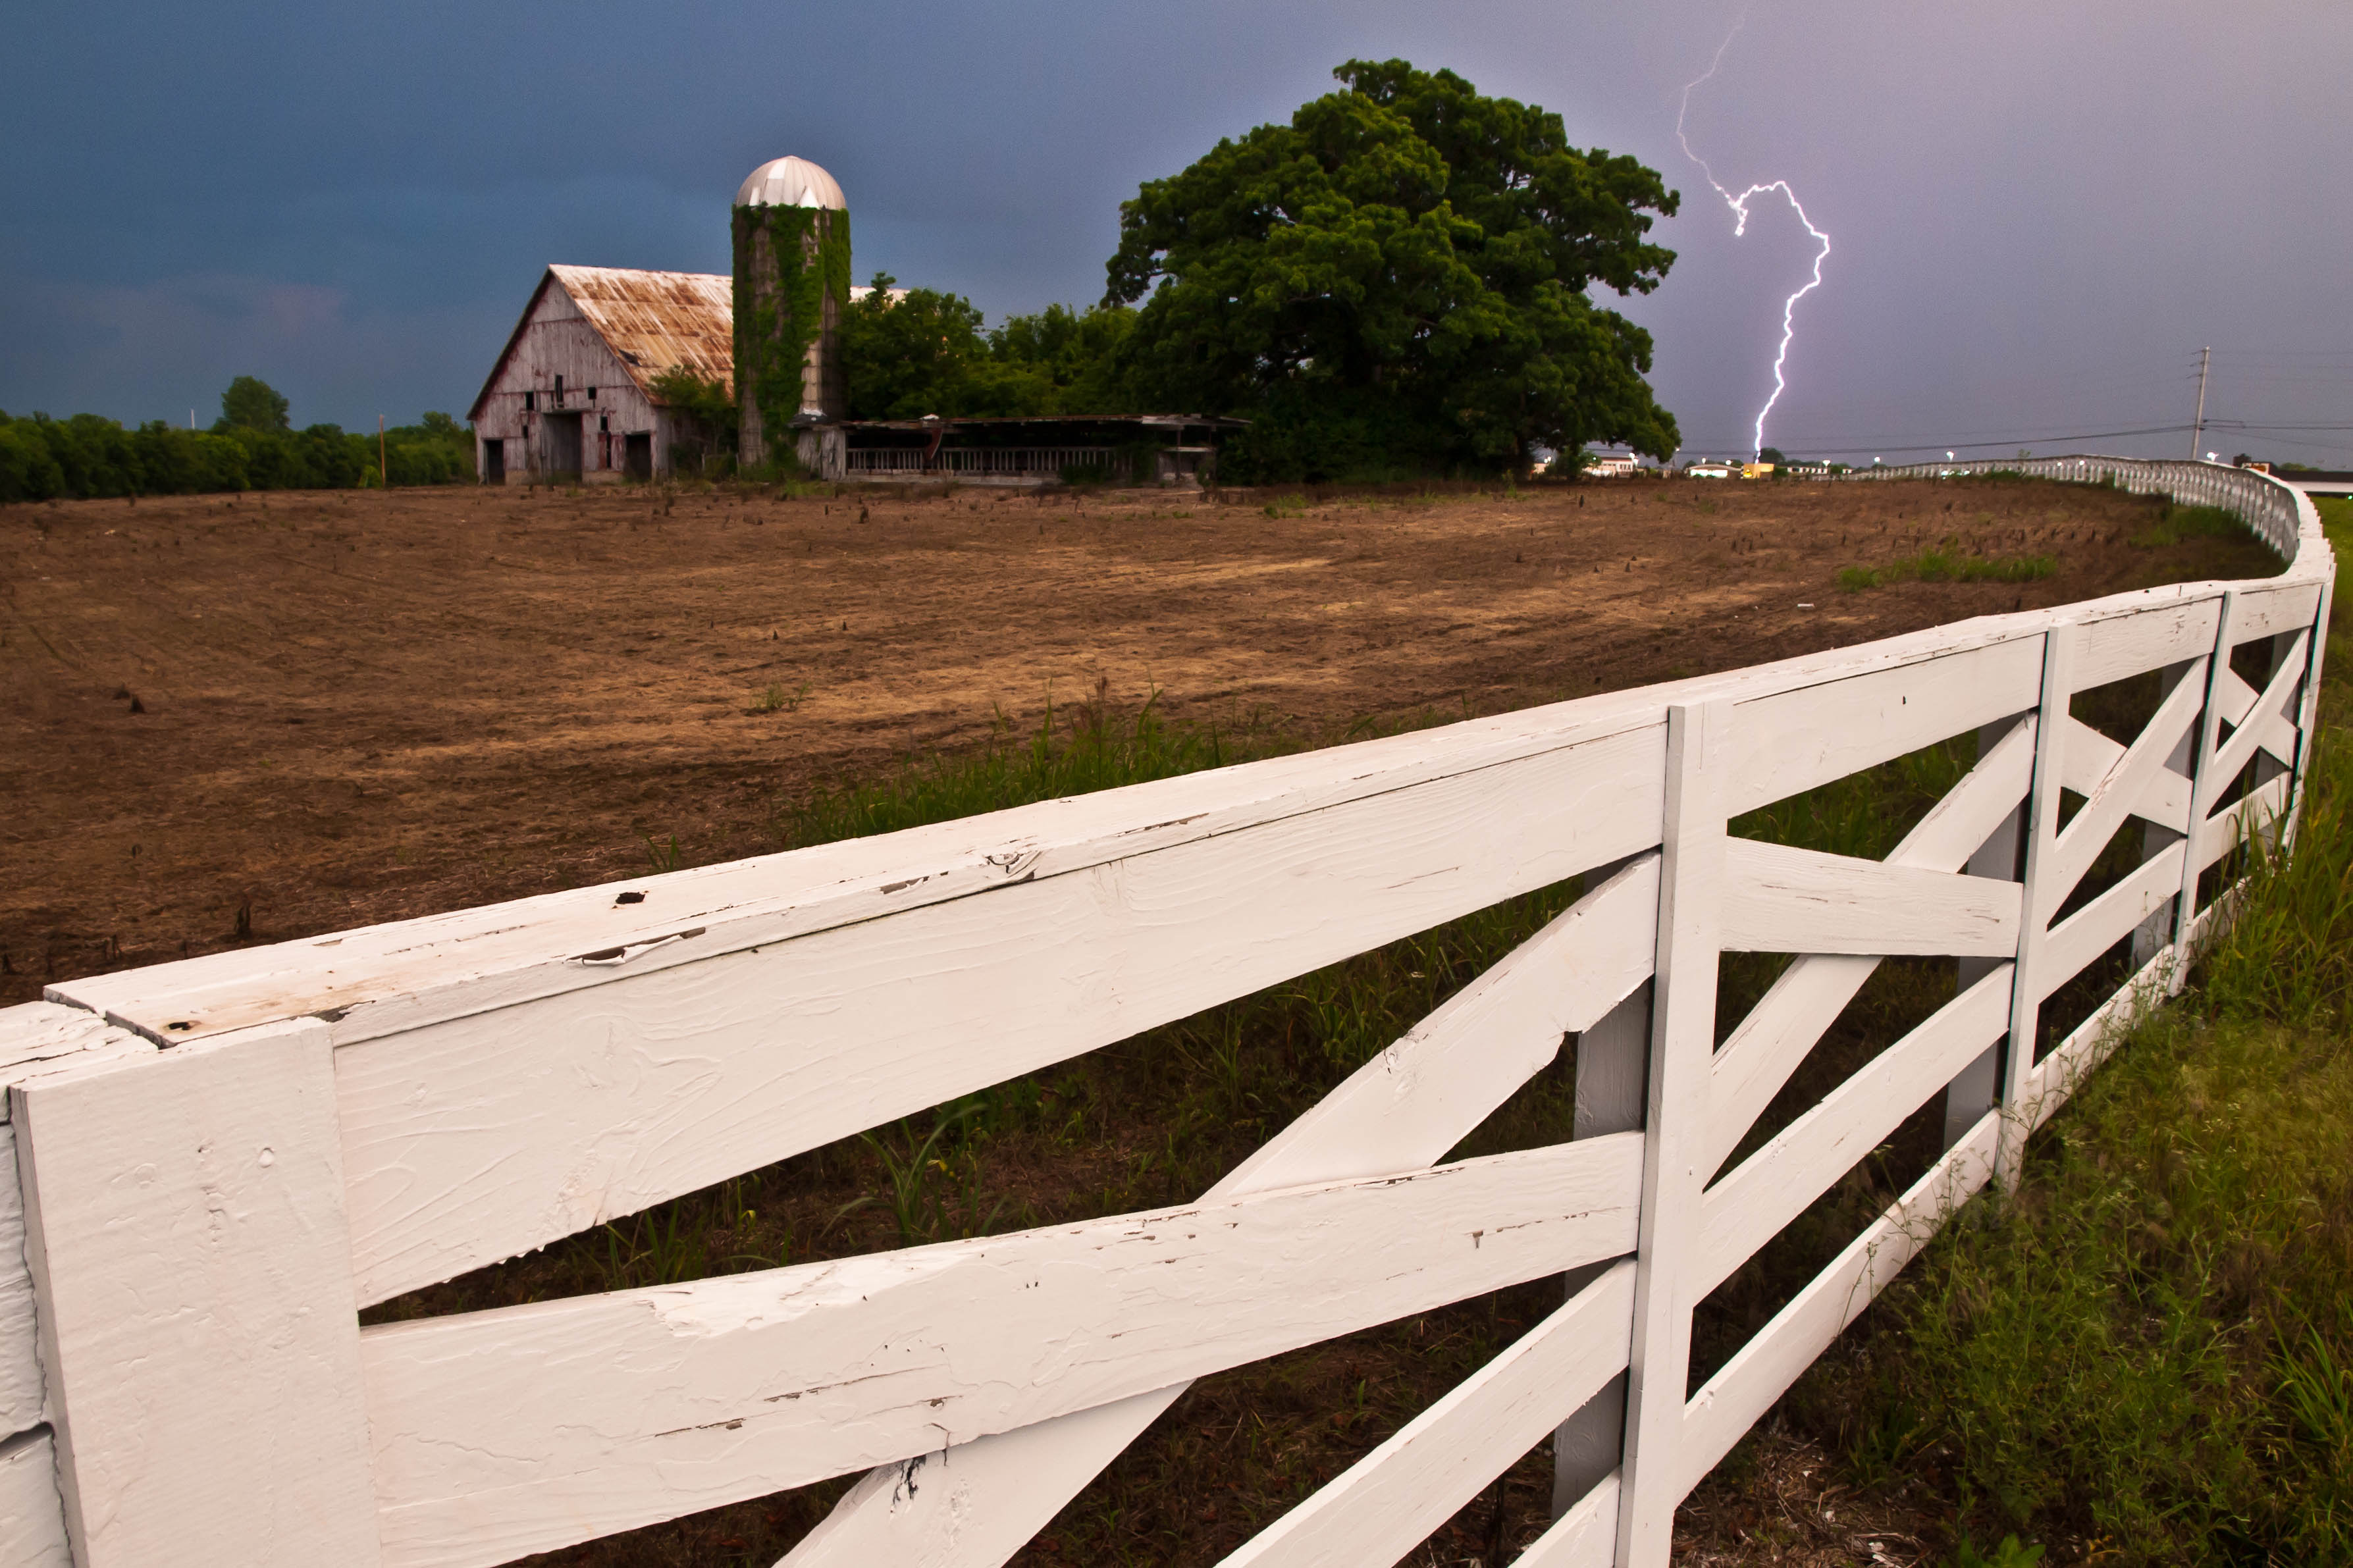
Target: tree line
{"type": "Point", "coordinates": [252, 445]}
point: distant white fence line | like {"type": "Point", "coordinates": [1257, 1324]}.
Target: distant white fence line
{"type": "Point", "coordinates": [210, 1167]}
{"type": "Point", "coordinates": [1030, 460]}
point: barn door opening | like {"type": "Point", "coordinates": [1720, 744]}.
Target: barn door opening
{"type": "Point", "coordinates": [563, 446]}
{"type": "Point", "coordinates": [638, 460]}
{"type": "Point", "coordinates": [495, 461]}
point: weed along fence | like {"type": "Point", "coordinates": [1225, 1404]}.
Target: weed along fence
{"type": "Point", "coordinates": [211, 1166]}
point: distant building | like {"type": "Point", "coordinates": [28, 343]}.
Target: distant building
{"type": "Point", "coordinates": [1756, 470]}
{"type": "Point", "coordinates": [1611, 466]}
{"type": "Point", "coordinates": [571, 398]}
{"type": "Point", "coordinates": [1709, 469]}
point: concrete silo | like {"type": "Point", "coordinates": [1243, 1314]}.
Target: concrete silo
{"type": "Point", "coordinates": [792, 279]}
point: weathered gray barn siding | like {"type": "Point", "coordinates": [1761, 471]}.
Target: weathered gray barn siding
{"type": "Point", "coordinates": [586, 350]}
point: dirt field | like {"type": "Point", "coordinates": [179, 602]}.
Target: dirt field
{"type": "Point", "coordinates": [230, 720]}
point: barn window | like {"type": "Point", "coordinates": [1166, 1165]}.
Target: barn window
{"type": "Point", "coordinates": [530, 401]}
{"type": "Point", "coordinates": [592, 394]}
{"type": "Point", "coordinates": [559, 392]}
{"type": "Point", "coordinates": [603, 423]}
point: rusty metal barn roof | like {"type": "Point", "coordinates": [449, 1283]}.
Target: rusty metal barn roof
{"type": "Point", "coordinates": [658, 320]}
{"type": "Point", "coordinates": [653, 322]}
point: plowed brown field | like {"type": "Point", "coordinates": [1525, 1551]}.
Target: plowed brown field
{"type": "Point", "coordinates": [244, 720]}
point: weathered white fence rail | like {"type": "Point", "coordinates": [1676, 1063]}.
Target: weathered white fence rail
{"type": "Point", "coordinates": [208, 1167]}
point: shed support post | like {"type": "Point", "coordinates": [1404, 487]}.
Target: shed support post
{"type": "Point", "coordinates": [192, 1279]}
{"type": "Point", "coordinates": [1682, 1044]}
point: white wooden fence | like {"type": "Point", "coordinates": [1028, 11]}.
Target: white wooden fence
{"type": "Point", "coordinates": [208, 1167]}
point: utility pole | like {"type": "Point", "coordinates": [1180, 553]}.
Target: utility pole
{"type": "Point", "coordinates": [2197, 431]}
{"type": "Point", "coordinates": [384, 468]}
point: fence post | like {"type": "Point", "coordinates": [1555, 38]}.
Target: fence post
{"type": "Point", "coordinates": [199, 1334]}
{"type": "Point", "coordinates": [2034, 923]}
{"type": "Point", "coordinates": [1612, 1078]}
{"type": "Point", "coordinates": [1977, 1087]}
{"type": "Point", "coordinates": [2308, 710]}
{"type": "Point", "coordinates": [2153, 935]}
{"type": "Point", "coordinates": [2203, 787]}
{"type": "Point", "coordinates": [1682, 1042]}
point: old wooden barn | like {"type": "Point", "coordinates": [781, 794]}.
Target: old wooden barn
{"type": "Point", "coordinates": [571, 398]}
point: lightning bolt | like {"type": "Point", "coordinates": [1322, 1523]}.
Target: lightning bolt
{"type": "Point", "coordinates": [1739, 205]}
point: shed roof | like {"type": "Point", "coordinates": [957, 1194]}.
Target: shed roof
{"type": "Point", "coordinates": [653, 322]}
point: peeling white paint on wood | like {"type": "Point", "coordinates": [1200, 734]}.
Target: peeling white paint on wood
{"type": "Point", "coordinates": [486, 1136]}
{"type": "Point", "coordinates": [1399, 1112]}
{"type": "Point", "coordinates": [1785, 899]}
{"type": "Point", "coordinates": [37, 1038]}
{"type": "Point", "coordinates": [512, 1431]}
{"type": "Point", "coordinates": [193, 1282]}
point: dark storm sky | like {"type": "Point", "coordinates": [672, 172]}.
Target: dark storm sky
{"type": "Point", "coordinates": [2040, 212]}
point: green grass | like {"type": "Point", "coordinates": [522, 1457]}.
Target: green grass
{"type": "Point", "coordinates": [2149, 1352]}
{"type": "Point", "coordinates": [1076, 748]}
{"type": "Point", "coordinates": [1944, 563]}
{"type": "Point", "coordinates": [2178, 524]}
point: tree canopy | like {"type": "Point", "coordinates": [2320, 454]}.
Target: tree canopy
{"type": "Point", "coordinates": [1398, 280]}
{"type": "Point", "coordinates": [924, 352]}
{"type": "Point", "coordinates": [252, 404]}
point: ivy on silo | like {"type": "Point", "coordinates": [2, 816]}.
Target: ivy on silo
{"type": "Point", "coordinates": [808, 255]}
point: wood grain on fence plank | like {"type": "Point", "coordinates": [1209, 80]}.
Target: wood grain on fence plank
{"type": "Point", "coordinates": [1761, 1371]}
{"type": "Point", "coordinates": [2268, 608]}
{"type": "Point", "coordinates": [1382, 1505]}
{"type": "Point", "coordinates": [1765, 1192]}
{"type": "Point", "coordinates": [1793, 741]}
{"type": "Point", "coordinates": [1780, 898]}
{"type": "Point", "coordinates": [2113, 645]}
{"type": "Point", "coordinates": [36, 1039]}
{"type": "Point", "coordinates": [525, 1428]}
{"type": "Point", "coordinates": [483, 1137]}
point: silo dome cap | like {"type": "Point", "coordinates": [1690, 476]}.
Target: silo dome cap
{"type": "Point", "coordinates": [790, 183]}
